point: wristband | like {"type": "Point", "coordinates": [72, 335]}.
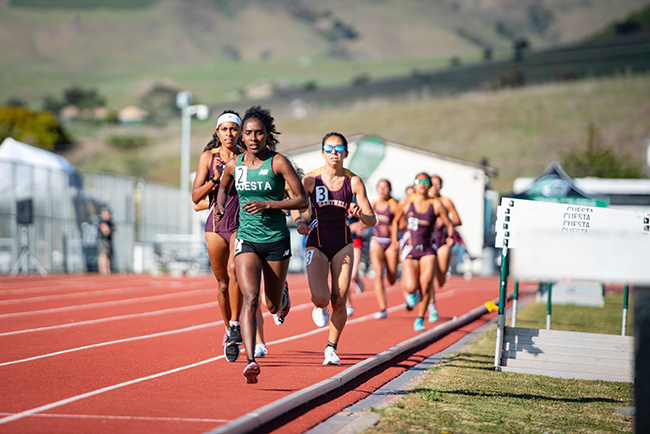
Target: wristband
{"type": "Point", "coordinates": [300, 219]}
{"type": "Point", "coordinates": [214, 181]}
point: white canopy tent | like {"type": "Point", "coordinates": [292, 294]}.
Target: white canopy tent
{"type": "Point", "coordinates": [49, 231]}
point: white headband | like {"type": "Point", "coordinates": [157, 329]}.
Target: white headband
{"type": "Point", "coordinates": [228, 117]}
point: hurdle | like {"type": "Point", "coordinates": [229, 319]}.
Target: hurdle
{"type": "Point", "coordinates": [552, 242]}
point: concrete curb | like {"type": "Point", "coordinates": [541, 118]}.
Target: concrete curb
{"type": "Point", "coordinates": [256, 419]}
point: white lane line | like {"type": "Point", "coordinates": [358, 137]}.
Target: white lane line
{"type": "Point", "coordinates": [83, 294]}
{"type": "Point", "coordinates": [114, 318]}
{"type": "Point", "coordinates": [134, 418]}
{"type": "Point", "coordinates": [107, 303]}
{"type": "Point", "coordinates": [46, 285]}
{"type": "Point", "coordinates": [118, 341]}
{"type": "Point", "coordinates": [46, 407]}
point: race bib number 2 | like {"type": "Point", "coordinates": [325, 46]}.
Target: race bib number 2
{"type": "Point", "coordinates": [240, 175]}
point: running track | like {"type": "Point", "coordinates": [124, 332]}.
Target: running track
{"type": "Point", "coordinates": [135, 353]}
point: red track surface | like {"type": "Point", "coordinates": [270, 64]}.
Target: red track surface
{"type": "Point", "coordinates": [129, 353]}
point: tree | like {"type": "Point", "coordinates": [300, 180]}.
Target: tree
{"type": "Point", "coordinates": [40, 129]}
{"type": "Point", "coordinates": [601, 163]}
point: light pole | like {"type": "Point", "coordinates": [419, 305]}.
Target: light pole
{"type": "Point", "coordinates": [201, 111]}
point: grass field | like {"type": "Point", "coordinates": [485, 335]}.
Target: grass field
{"type": "Point", "coordinates": [465, 395]}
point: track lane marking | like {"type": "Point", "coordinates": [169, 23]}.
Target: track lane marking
{"type": "Point", "coordinates": [117, 341]}
{"type": "Point", "coordinates": [107, 303]}
{"type": "Point", "coordinates": [134, 418]}
{"type": "Point", "coordinates": [81, 294]}
{"type": "Point", "coordinates": [46, 407]}
{"type": "Point", "coordinates": [113, 318]}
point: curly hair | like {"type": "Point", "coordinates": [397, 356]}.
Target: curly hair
{"type": "Point", "coordinates": [264, 115]}
{"type": "Point", "coordinates": [214, 141]}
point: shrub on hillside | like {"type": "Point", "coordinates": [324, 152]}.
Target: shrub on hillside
{"type": "Point", "coordinates": [601, 163]}
{"type": "Point", "coordinates": [129, 142]}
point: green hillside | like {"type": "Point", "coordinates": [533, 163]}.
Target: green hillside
{"type": "Point", "coordinates": [216, 48]}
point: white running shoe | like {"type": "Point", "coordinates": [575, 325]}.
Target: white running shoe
{"type": "Point", "coordinates": [349, 310]}
{"type": "Point", "coordinates": [330, 357]}
{"type": "Point", "coordinates": [382, 314]}
{"type": "Point", "coordinates": [260, 351]}
{"type": "Point", "coordinates": [320, 316]}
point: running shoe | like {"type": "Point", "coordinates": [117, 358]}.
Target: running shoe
{"type": "Point", "coordinates": [433, 315]}
{"type": "Point", "coordinates": [251, 371]}
{"type": "Point", "coordinates": [349, 310]}
{"type": "Point", "coordinates": [418, 325]}
{"type": "Point", "coordinates": [320, 316]}
{"type": "Point", "coordinates": [281, 315]}
{"type": "Point", "coordinates": [381, 315]}
{"type": "Point", "coordinates": [330, 357]}
{"type": "Point", "coordinates": [260, 351]}
{"type": "Point", "coordinates": [232, 350]}
{"type": "Point", "coordinates": [358, 285]}
{"type": "Point", "coordinates": [411, 300]}
{"type": "Point", "coordinates": [235, 334]}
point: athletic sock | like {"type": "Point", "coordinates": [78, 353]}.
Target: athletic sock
{"type": "Point", "coordinates": [329, 344]}
{"type": "Point", "coordinates": [234, 323]}
{"type": "Point", "coordinates": [249, 361]}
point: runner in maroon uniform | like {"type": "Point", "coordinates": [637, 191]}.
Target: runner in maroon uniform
{"type": "Point", "coordinates": [418, 266]}
{"type": "Point", "coordinates": [382, 251]}
{"type": "Point", "coordinates": [443, 256]}
{"type": "Point", "coordinates": [219, 234]}
{"type": "Point", "coordinates": [329, 245]}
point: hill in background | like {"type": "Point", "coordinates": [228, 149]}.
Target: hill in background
{"type": "Point", "coordinates": [217, 47]}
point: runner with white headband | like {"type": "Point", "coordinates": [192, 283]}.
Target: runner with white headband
{"type": "Point", "coordinates": [220, 233]}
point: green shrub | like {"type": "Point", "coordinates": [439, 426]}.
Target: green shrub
{"type": "Point", "coordinates": [129, 142]}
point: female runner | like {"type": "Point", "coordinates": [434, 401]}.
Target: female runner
{"type": "Point", "coordinates": [382, 250]}
{"type": "Point", "coordinates": [262, 246]}
{"type": "Point", "coordinates": [443, 256]}
{"type": "Point", "coordinates": [220, 233]}
{"type": "Point", "coordinates": [419, 255]}
{"type": "Point", "coordinates": [329, 243]}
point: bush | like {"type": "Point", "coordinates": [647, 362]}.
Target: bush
{"type": "Point", "coordinates": [601, 163]}
{"type": "Point", "coordinates": [40, 129]}
{"type": "Point", "coordinates": [129, 142]}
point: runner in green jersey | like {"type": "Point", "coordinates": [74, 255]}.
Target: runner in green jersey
{"type": "Point", "coordinates": [262, 247]}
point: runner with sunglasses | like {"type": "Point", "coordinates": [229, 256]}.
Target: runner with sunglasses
{"type": "Point", "coordinates": [329, 249]}
{"type": "Point", "coordinates": [419, 255]}
{"type": "Point", "coordinates": [262, 246]}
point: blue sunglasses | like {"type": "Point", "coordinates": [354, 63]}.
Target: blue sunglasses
{"type": "Point", "coordinates": [339, 149]}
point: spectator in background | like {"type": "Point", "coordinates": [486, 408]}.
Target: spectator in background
{"type": "Point", "coordinates": [106, 230]}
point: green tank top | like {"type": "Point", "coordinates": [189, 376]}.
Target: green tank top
{"type": "Point", "coordinates": [267, 226]}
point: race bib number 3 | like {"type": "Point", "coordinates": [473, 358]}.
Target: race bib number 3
{"type": "Point", "coordinates": [413, 223]}
{"type": "Point", "coordinates": [322, 194]}
{"type": "Point", "coordinates": [308, 256]}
